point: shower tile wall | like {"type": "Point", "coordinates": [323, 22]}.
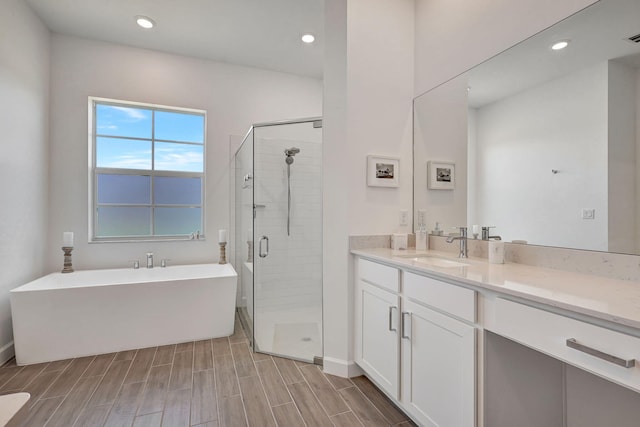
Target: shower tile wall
{"type": "Point", "coordinates": [291, 275]}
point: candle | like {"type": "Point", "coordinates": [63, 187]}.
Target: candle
{"type": "Point", "coordinates": [67, 239]}
{"type": "Point", "coordinates": [222, 236]}
{"type": "Point", "coordinates": [475, 229]}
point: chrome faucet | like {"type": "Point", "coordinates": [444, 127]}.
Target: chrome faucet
{"type": "Point", "coordinates": [149, 259]}
{"type": "Point", "coordinates": [485, 234]}
{"type": "Point", "coordinates": [463, 242]}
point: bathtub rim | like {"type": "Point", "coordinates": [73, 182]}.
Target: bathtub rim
{"type": "Point", "coordinates": [48, 282]}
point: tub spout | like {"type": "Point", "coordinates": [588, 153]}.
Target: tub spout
{"type": "Point", "coordinates": [149, 259]}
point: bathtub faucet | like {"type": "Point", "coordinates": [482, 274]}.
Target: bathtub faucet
{"type": "Point", "coordinates": [149, 259]}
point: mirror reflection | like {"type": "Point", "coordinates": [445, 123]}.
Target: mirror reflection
{"type": "Point", "coordinates": [544, 140]}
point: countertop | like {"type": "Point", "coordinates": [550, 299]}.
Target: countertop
{"type": "Point", "coordinates": [612, 300]}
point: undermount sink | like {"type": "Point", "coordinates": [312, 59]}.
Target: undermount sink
{"type": "Point", "coordinates": [438, 262]}
{"type": "Point", "coordinates": [433, 261]}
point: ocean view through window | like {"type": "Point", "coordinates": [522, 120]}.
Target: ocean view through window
{"type": "Point", "coordinates": [147, 171]}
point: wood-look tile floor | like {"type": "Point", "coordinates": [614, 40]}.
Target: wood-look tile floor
{"type": "Point", "coordinates": [216, 382]}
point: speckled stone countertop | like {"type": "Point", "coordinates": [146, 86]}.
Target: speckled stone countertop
{"type": "Point", "coordinates": [612, 300]}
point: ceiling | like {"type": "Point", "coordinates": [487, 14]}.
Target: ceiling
{"type": "Point", "coordinates": [255, 33]}
{"type": "Point", "coordinates": [597, 34]}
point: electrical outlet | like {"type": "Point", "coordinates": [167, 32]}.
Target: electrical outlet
{"type": "Point", "coordinates": [588, 213]}
{"type": "Point", "coordinates": [404, 217]}
{"type": "Point", "coordinates": [422, 217]}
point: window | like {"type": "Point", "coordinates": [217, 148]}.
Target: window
{"type": "Point", "coordinates": [147, 177]}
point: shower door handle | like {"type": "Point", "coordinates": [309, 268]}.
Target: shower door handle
{"type": "Point", "coordinates": [260, 253]}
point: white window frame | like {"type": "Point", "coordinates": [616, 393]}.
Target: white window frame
{"type": "Point", "coordinates": [94, 171]}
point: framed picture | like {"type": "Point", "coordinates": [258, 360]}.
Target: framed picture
{"type": "Point", "coordinates": [441, 175]}
{"type": "Point", "coordinates": [383, 171]}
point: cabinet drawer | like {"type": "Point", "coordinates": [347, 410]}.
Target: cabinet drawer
{"type": "Point", "coordinates": [599, 350]}
{"type": "Point", "coordinates": [452, 299]}
{"type": "Point", "coordinates": [380, 275]}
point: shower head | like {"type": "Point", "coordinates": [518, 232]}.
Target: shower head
{"type": "Point", "coordinates": [291, 151]}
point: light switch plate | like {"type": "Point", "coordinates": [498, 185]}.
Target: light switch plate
{"type": "Point", "coordinates": [404, 217]}
{"type": "Point", "coordinates": [588, 213]}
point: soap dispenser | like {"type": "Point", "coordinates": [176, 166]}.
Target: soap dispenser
{"type": "Point", "coordinates": [421, 238]}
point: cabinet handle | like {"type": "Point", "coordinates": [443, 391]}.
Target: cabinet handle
{"type": "Point", "coordinates": [625, 363]}
{"type": "Point", "coordinates": [391, 328]}
{"type": "Point", "coordinates": [404, 325]}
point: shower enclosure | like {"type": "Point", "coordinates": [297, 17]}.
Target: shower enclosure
{"type": "Point", "coordinates": [278, 237]}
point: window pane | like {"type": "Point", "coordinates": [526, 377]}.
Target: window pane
{"type": "Point", "coordinates": [124, 189]}
{"type": "Point", "coordinates": [177, 191]}
{"type": "Point", "coordinates": [179, 127]}
{"type": "Point", "coordinates": [123, 121]}
{"type": "Point", "coordinates": [130, 221]}
{"type": "Point", "coordinates": [177, 221]}
{"type": "Point", "coordinates": [179, 157]}
{"type": "Point", "coordinates": [123, 153]}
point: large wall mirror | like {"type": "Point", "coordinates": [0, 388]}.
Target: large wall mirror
{"type": "Point", "coordinates": [543, 144]}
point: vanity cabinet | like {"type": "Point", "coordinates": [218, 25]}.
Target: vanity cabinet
{"type": "Point", "coordinates": [455, 351]}
{"type": "Point", "coordinates": [602, 351]}
{"type": "Point", "coordinates": [377, 307]}
{"type": "Point", "coordinates": [438, 352]}
{"type": "Point", "coordinates": [415, 337]}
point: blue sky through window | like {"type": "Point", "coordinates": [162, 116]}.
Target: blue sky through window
{"type": "Point", "coordinates": [149, 199]}
{"type": "Point", "coordinates": [123, 121]}
{"type": "Point", "coordinates": [114, 123]}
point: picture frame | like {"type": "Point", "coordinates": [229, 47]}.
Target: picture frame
{"type": "Point", "coordinates": [383, 171]}
{"type": "Point", "coordinates": [441, 175]}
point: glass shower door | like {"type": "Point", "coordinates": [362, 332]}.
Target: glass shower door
{"type": "Point", "coordinates": [287, 291]}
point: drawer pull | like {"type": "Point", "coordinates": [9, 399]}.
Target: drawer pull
{"type": "Point", "coordinates": [625, 363]}
{"type": "Point", "coordinates": [406, 326]}
{"type": "Point", "coordinates": [391, 328]}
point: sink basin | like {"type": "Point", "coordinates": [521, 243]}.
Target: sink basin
{"type": "Point", "coordinates": [437, 261]}
{"type": "Point", "coordinates": [429, 259]}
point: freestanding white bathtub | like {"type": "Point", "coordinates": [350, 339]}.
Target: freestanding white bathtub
{"type": "Point", "coordinates": [61, 316]}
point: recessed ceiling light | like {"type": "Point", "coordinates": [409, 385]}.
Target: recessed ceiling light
{"type": "Point", "coordinates": [145, 22]}
{"type": "Point", "coordinates": [560, 45]}
{"type": "Point", "coordinates": [308, 38]}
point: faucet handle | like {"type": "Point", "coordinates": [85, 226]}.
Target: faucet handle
{"type": "Point", "coordinates": [485, 231]}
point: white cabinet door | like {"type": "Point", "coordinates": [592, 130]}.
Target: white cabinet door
{"type": "Point", "coordinates": [438, 368]}
{"type": "Point", "coordinates": [377, 346]}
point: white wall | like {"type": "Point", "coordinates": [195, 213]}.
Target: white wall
{"type": "Point", "coordinates": [637, 157]}
{"type": "Point", "coordinates": [440, 134]}
{"type": "Point", "coordinates": [234, 97]}
{"type": "Point", "coordinates": [559, 125]}
{"type": "Point", "coordinates": [336, 293]}
{"type": "Point", "coordinates": [455, 35]}
{"type": "Point", "coordinates": [24, 120]}
{"type": "Point", "coordinates": [367, 110]}
{"type": "Point", "coordinates": [622, 104]}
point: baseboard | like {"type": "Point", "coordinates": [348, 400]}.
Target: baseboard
{"type": "Point", "coordinates": [7, 351]}
{"type": "Point", "coordinates": [341, 368]}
